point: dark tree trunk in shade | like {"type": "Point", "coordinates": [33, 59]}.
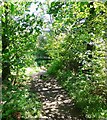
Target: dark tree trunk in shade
{"type": "Point", "coordinates": [5, 44]}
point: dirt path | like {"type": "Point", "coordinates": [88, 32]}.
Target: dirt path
{"type": "Point", "coordinates": [56, 103]}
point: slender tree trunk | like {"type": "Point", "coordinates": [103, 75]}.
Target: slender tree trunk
{"type": "Point", "coordinates": [105, 38]}
{"type": "Point", "coordinates": [5, 44]}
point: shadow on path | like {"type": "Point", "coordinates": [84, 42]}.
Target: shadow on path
{"type": "Point", "coordinates": [56, 103]}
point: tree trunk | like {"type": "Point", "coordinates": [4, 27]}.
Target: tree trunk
{"type": "Point", "coordinates": [5, 44]}
{"type": "Point", "coordinates": [105, 38]}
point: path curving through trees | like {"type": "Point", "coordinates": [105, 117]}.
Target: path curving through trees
{"type": "Point", "coordinates": [56, 103]}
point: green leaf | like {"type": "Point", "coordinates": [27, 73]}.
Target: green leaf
{"type": "Point", "coordinates": [3, 19]}
{"type": "Point", "coordinates": [12, 8]}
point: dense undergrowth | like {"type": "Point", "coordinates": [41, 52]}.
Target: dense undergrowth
{"type": "Point", "coordinates": [84, 81]}
{"type": "Point", "coordinates": [79, 52]}
{"type": "Point", "coordinates": [19, 102]}
{"type": "Point", "coordinates": [89, 96]}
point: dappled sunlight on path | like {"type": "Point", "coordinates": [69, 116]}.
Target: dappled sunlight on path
{"type": "Point", "coordinates": [56, 103]}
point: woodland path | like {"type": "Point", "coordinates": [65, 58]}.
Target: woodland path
{"type": "Point", "coordinates": [56, 103]}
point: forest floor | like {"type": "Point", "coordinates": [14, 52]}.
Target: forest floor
{"type": "Point", "coordinates": [56, 104]}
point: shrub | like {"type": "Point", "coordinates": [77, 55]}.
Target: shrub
{"type": "Point", "coordinates": [18, 101]}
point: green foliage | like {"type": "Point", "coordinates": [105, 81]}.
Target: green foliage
{"type": "Point", "coordinates": [78, 49]}
{"type": "Point", "coordinates": [55, 66]}
{"type": "Point", "coordinates": [55, 7]}
{"type": "Point", "coordinates": [83, 92]}
{"type": "Point", "coordinates": [19, 31]}
{"type": "Point", "coordinates": [75, 42]}
{"type": "Point", "coordinates": [19, 99]}
{"type": "Point", "coordinates": [41, 51]}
